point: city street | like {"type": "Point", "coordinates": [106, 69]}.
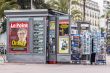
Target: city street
{"type": "Point", "coordinates": [54, 68]}
{"type": "Point", "coordinates": [33, 32]}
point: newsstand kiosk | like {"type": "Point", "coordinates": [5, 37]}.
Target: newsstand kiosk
{"type": "Point", "coordinates": [33, 34]}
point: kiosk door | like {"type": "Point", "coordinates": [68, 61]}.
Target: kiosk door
{"type": "Point", "coordinates": [52, 40]}
{"type": "Point", "coordinates": [63, 44]}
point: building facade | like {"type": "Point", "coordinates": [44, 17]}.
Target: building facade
{"type": "Point", "coordinates": [92, 12]}
{"type": "Point", "coordinates": [106, 5]}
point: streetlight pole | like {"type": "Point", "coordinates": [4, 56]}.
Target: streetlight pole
{"type": "Point", "coordinates": [32, 7]}
{"type": "Point", "coordinates": [84, 9]}
{"type": "Point", "coordinates": [69, 7]}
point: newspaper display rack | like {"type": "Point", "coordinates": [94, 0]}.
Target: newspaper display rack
{"type": "Point", "coordinates": [75, 45]}
{"type": "Point", "coordinates": [86, 47]}
{"type": "Point", "coordinates": [101, 52]}
{"type": "Point", "coordinates": [2, 53]}
{"type": "Point", "coordinates": [98, 46]}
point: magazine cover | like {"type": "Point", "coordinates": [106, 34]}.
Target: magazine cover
{"type": "Point", "coordinates": [52, 25]}
{"type": "Point", "coordinates": [63, 44]}
{"type": "Point", "coordinates": [19, 36]}
{"type": "Point", "coordinates": [64, 28]}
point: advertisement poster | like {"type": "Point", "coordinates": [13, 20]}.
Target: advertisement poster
{"type": "Point", "coordinates": [64, 28]}
{"type": "Point", "coordinates": [63, 45]}
{"type": "Point", "coordinates": [75, 43]}
{"type": "Point", "coordinates": [52, 25]}
{"type": "Point", "coordinates": [18, 36]}
{"type": "Point", "coordinates": [75, 40]}
{"type": "Point", "coordinates": [52, 37]}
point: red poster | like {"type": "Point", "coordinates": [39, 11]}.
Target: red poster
{"type": "Point", "coordinates": [18, 37]}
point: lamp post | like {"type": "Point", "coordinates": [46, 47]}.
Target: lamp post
{"type": "Point", "coordinates": [84, 9]}
{"type": "Point", "coordinates": [69, 7]}
{"type": "Point", "coordinates": [32, 7]}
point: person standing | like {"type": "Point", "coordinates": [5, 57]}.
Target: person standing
{"type": "Point", "coordinates": [93, 54]}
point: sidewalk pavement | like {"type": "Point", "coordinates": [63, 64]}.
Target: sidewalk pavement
{"type": "Point", "coordinates": [108, 59]}
{"type": "Point", "coordinates": [54, 68]}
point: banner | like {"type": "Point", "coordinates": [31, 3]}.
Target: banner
{"type": "Point", "coordinates": [63, 45]}
{"type": "Point", "coordinates": [18, 36]}
{"type": "Point", "coordinates": [63, 28]}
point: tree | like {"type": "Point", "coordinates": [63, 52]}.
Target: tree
{"type": "Point", "coordinates": [63, 6]}
{"type": "Point", "coordinates": [7, 5]}
{"type": "Point", "coordinates": [4, 25]}
{"type": "Point", "coordinates": [37, 4]}
{"type": "Point", "coordinates": [24, 4]}
{"type": "Point", "coordinates": [76, 15]}
{"type": "Point", "coordinates": [75, 2]}
{"type": "Point", "coordinates": [59, 5]}
{"type": "Point", "coordinates": [40, 4]}
{"type": "Point", "coordinates": [107, 15]}
{"type": "Point", "coordinates": [102, 30]}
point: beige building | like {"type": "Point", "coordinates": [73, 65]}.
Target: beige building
{"type": "Point", "coordinates": [92, 12]}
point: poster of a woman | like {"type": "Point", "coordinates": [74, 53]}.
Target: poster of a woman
{"type": "Point", "coordinates": [18, 37]}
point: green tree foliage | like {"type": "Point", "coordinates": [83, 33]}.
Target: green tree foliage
{"type": "Point", "coordinates": [37, 4]}
{"type": "Point", "coordinates": [106, 15]}
{"type": "Point", "coordinates": [102, 29]}
{"type": "Point", "coordinates": [4, 26]}
{"type": "Point", "coordinates": [40, 4]}
{"type": "Point", "coordinates": [63, 6]}
{"type": "Point", "coordinates": [59, 5]}
{"type": "Point", "coordinates": [24, 4]}
{"type": "Point", "coordinates": [76, 15]}
{"type": "Point", "coordinates": [7, 5]}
